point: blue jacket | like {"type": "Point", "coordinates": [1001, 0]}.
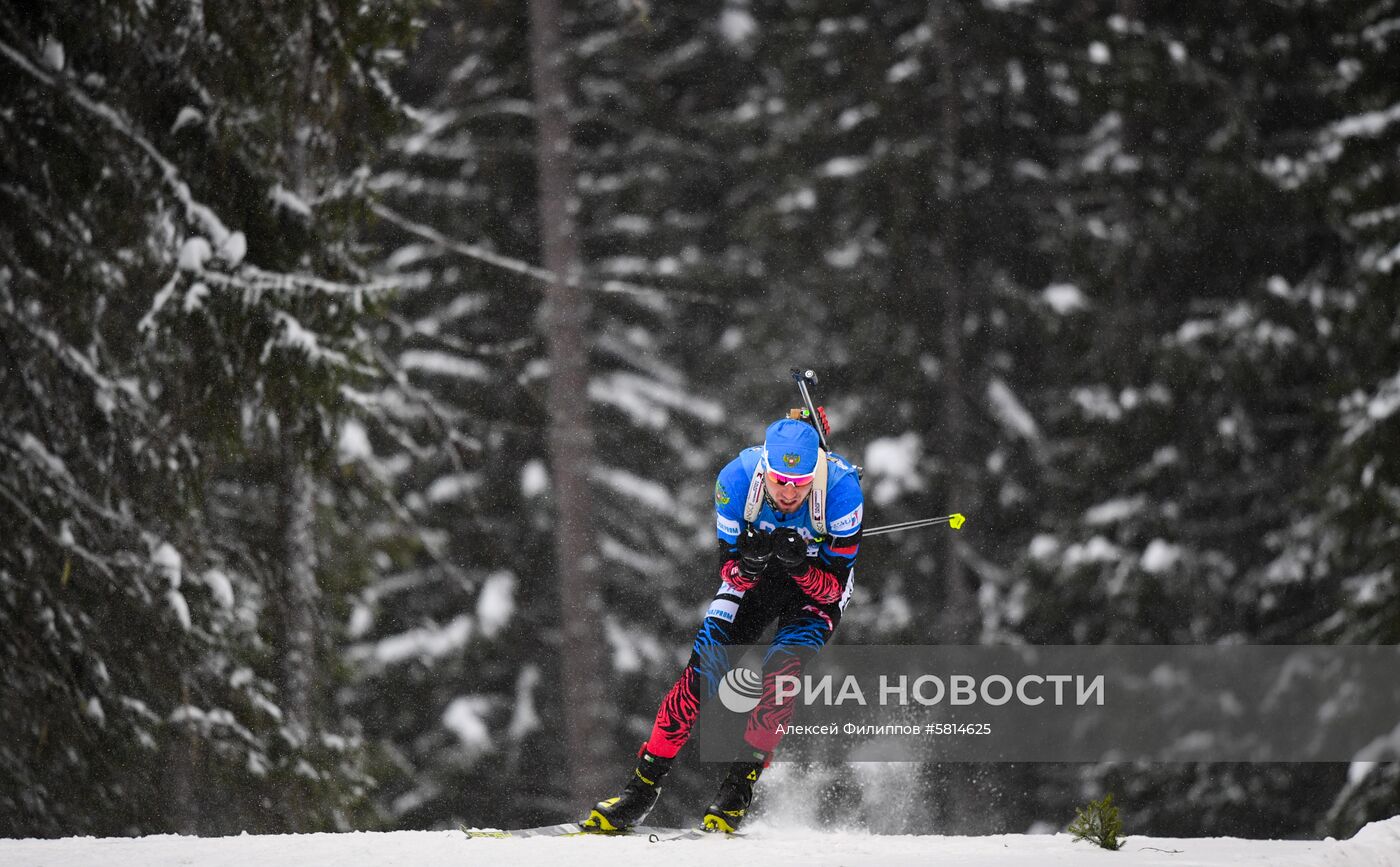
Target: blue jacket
{"type": "Point", "coordinates": [845, 506]}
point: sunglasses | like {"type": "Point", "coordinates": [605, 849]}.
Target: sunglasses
{"type": "Point", "coordinates": [782, 479]}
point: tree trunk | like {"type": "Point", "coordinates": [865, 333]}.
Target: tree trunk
{"type": "Point", "coordinates": [299, 595]}
{"type": "Point", "coordinates": [184, 802]}
{"type": "Point", "coordinates": [962, 808]}
{"type": "Point", "coordinates": [297, 492]}
{"type": "Point", "coordinates": [565, 319]}
{"type": "Point", "coordinates": [958, 616]}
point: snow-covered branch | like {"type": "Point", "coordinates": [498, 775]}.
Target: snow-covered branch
{"type": "Point", "coordinates": [196, 212]}
{"type": "Point", "coordinates": [650, 294]}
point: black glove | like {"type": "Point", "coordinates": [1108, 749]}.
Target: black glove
{"type": "Point", "coordinates": [790, 550]}
{"type": "Point", "coordinates": [755, 550]}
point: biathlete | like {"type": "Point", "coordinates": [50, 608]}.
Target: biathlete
{"type": "Point", "coordinates": [788, 518]}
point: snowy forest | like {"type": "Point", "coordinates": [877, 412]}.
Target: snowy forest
{"type": "Point", "coordinates": [365, 367]}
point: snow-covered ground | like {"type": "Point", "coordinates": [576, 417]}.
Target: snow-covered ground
{"type": "Point", "coordinates": [1376, 844]}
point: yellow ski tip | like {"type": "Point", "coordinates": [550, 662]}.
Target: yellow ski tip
{"type": "Point", "coordinates": [956, 521]}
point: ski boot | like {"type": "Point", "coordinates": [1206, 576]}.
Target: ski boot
{"type": "Point", "coordinates": [735, 795]}
{"type": "Point", "coordinates": [637, 798]}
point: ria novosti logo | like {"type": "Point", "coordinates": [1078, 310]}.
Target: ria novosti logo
{"type": "Point", "coordinates": [740, 690]}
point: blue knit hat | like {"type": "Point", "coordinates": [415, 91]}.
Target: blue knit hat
{"type": "Point", "coordinates": [790, 447]}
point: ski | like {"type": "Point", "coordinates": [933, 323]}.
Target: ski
{"type": "Point", "coordinates": [573, 829]}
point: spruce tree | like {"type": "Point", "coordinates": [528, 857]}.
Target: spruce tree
{"type": "Point", "coordinates": [1341, 548]}
{"type": "Point", "coordinates": [170, 305]}
{"type": "Point", "coordinates": [461, 228]}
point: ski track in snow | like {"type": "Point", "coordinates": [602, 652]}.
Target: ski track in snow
{"type": "Point", "coordinates": [1376, 844]}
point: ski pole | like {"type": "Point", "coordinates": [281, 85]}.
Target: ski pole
{"type": "Point", "coordinates": [954, 520]}
{"type": "Point", "coordinates": [816, 414]}
{"type": "Point", "coordinates": [803, 379]}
